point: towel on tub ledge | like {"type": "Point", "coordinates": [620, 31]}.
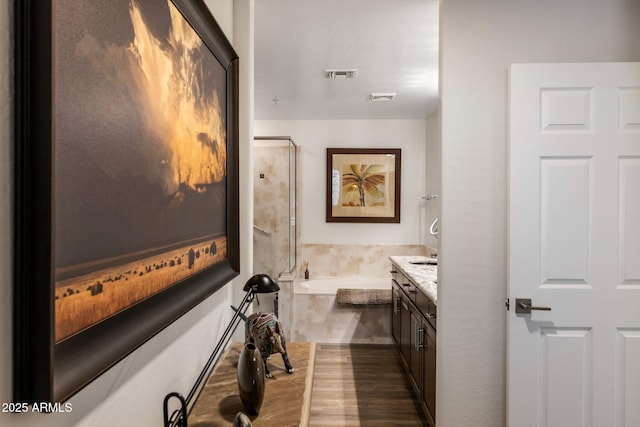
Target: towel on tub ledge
{"type": "Point", "coordinates": [364, 296]}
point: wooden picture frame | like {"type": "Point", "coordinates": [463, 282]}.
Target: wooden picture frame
{"type": "Point", "coordinates": [363, 185]}
{"type": "Point", "coordinates": [126, 181]}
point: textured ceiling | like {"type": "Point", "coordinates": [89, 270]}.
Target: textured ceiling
{"type": "Point", "coordinates": [392, 43]}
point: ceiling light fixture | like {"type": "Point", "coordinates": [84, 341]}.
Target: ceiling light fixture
{"type": "Point", "coordinates": [341, 74]}
{"type": "Point", "coordinates": [388, 96]}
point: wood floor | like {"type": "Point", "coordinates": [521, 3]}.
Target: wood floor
{"type": "Point", "coordinates": [361, 385]}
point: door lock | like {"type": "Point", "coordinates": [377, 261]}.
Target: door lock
{"type": "Point", "coordinates": [523, 306]}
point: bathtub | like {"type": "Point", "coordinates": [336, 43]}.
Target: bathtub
{"type": "Point", "coordinates": [317, 317]}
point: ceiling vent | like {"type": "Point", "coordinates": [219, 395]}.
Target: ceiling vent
{"type": "Point", "coordinates": [341, 74]}
{"type": "Point", "coordinates": [382, 96]}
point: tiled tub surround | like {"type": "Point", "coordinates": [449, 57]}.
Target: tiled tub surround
{"type": "Point", "coordinates": [423, 276]}
{"type": "Point", "coordinates": [352, 260]}
{"type": "Point", "coordinates": [317, 317]}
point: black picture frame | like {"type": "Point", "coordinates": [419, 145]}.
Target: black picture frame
{"type": "Point", "coordinates": [48, 369]}
{"type": "Point", "coordinates": [347, 167]}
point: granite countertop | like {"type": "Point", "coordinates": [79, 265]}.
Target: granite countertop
{"type": "Point", "coordinates": [423, 276]}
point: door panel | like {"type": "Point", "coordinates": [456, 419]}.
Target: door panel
{"type": "Point", "coordinates": [574, 245]}
{"type": "Point", "coordinates": [629, 229]}
{"type": "Point", "coordinates": [629, 107]}
{"type": "Point", "coordinates": [627, 377]}
{"type": "Point", "coordinates": [566, 375]}
{"type": "Point", "coordinates": [565, 220]}
{"type": "Point", "coordinates": [565, 109]}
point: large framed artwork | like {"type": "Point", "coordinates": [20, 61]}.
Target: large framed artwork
{"type": "Point", "coordinates": [363, 185]}
{"type": "Point", "coordinates": [126, 180]}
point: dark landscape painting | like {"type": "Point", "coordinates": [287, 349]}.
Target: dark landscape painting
{"type": "Point", "coordinates": [140, 156]}
{"type": "Point", "coordinates": [126, 178]}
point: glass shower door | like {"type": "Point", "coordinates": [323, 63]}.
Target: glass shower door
{"type": "Point", "coordinates": [274, 212]}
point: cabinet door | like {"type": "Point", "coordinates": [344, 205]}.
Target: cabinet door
{"type": "Point", "coordinates": [429, 377]}
{"type": "Point", "coordinates": [405, 330]}
{"type": "Point", "coordinates": [396, 314]}
{"type": "Point", "coordinates": [416, 361]}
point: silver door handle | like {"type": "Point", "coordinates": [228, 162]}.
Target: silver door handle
{"type": "Point", "coordinates": [523, 306]}
{"type": "Point", "coordinates": [417, 333]}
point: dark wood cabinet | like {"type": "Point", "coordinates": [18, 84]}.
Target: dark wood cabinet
{"type": "Point", "coordinates": [414, 334]}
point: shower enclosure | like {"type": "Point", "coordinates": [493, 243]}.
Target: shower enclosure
{"type": "Point", "coordinates": [274, 206]}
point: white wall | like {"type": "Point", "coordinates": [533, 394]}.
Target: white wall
{"type": "Point", "coordinates": [131, 393]}
{"type": "Point", "coordinates": [433, 171]}
{"type": "Point", "coordinates": [243, 23]}
{"type": "Point", "coordinates": [479, 41]}
{"type": "Point", "coordinates": [314, 136]}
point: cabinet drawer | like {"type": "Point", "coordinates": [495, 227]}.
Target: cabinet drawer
{"type": "Point", "coordinates": [396, 275]}
{"type": "Point", "coordinates": [406, 285]}
{"type": "Point", "coordinates": [422, 302]}
{"type": "Point", "coordinates": [425, 305]}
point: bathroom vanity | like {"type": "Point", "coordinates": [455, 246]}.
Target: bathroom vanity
{"type": "Point", "coordinates": [413, 324]}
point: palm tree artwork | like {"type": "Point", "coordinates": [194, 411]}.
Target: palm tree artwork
{"type": "Point", "coordinates": [364, 185]}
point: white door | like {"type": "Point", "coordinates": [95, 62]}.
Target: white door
{"type": "Point", "coordinates": [574, 245]}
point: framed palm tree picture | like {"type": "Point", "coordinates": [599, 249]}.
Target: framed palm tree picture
{"type": "Point", "coordinates": [363, 185]}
